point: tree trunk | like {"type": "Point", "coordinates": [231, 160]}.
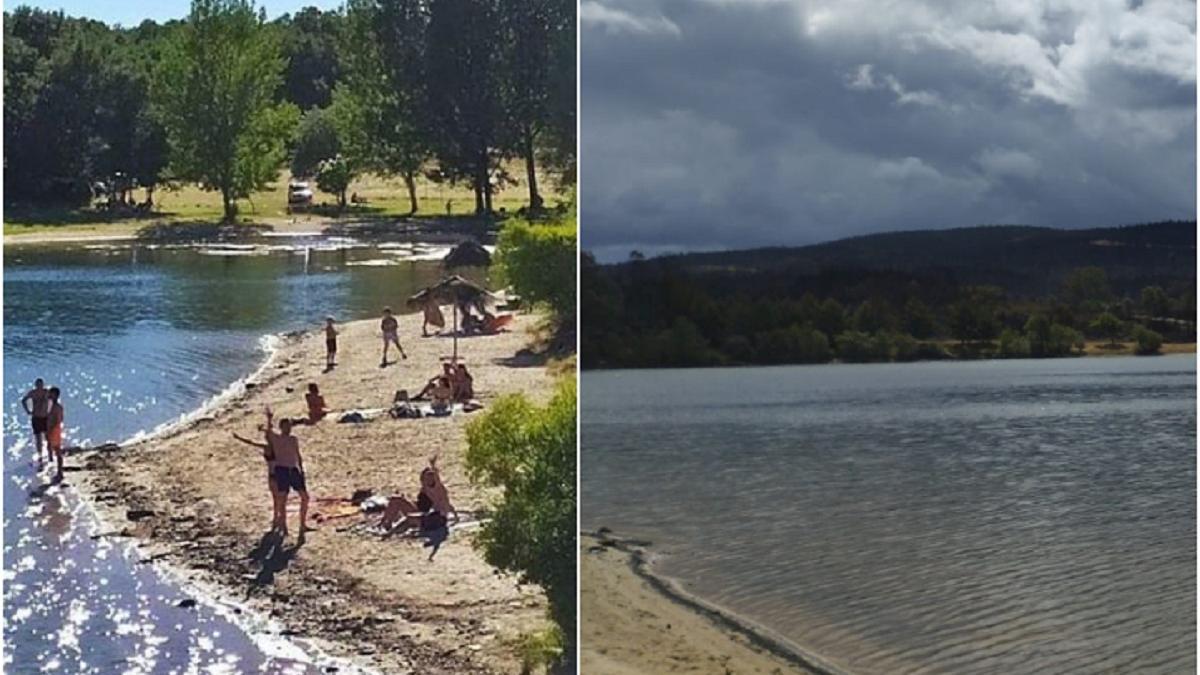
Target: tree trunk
{"type": "Point", "coordinates": [410, 182]}
{"type": "Point", "coordinates": [485, 186]}
{"type": "Point", "coordinates": [535, 200]}
{"type": "Point", "coordinates": [228, 204]}
{"type": "Point", "coordinates": [478, 196]}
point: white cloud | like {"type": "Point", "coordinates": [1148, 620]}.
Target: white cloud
{"type": "Point", "coordinates": [1008, 163]}
{"type": "Point", "coordinates": [863, 79]}
{"type": "Point", "coordinates": [613, 19]}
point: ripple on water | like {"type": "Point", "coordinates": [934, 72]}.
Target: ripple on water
{"type": "Point", "coordinates": [933, 518]}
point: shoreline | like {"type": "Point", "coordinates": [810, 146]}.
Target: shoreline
{"type": "Point", "coordinates": [205, 553]}
{"type": "Point", "coordinates": [428, 228]}
{"type": "Point", "coordinates": [1169, 349]}
{"type": "Point", "coordinates": [698, 635]}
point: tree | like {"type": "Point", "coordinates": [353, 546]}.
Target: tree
{"type": "Point", "coordinates": [532, 33]}
{"type": "Point", "coordinates": [918, 319]}
{"type": "Point", "coordinates": [529, 452]}
{"type": "Point", "coordinates": [311, 42]}
{"type": "Point", "coordinates": [1155, 302]}
{"type": "Point", "coordinates": [1013, 345]}
{"type": "Point", "coordinates": [215, 88]}
{"type": "Point", "coordinates": [464, 77]}
{"type": "Point", "coordinates": [381, 109]}
{"type": "Point", "coordinates": [973, 316]}
{"type": "Point", "coordinates": [1148, 341]}
{"type": "Point", "coordinates": [873, 316]}
{"type": "Point", "coordinates": [316, 141]}
{"type": "Point", "coordinates": [1087, 287]}
{"type": "Point", "coordinates": [1108, 326]}
{"type": "Point", "coordinates": [334, 176]}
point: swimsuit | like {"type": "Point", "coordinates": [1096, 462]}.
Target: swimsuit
{"type": "Point", "coordinates": [41, 423]}
{"type": "Point", "coordinates": [289, 477]}
{"type": "Point", "coordinates": [331, 344]}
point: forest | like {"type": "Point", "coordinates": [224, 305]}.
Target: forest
{"type": "Point", "coordinates": [451, 91]}
{"type": "Point", "coordinates": [862, 301]}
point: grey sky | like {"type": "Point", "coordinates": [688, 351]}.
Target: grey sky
{"type": "Point", "coordinates": [710, 124]}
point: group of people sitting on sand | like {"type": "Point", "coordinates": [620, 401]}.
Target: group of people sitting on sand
{"type": "Point", "coordinates": [453, 385]}
{"type": "Point", "coordinates": [46, 413]}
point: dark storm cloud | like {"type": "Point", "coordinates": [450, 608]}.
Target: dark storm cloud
{"type": "Point", "coordinates": [723, 124]}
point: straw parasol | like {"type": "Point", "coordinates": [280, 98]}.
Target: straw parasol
{"type": "Point", "coordinates": [456, 291]}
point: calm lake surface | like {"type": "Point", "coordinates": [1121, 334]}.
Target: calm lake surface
{"type": "Point", "coordinates": [971, 517]}
{"type": "Point", "coordinates": [135, 337]}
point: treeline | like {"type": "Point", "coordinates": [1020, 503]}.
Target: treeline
{"type": "Point", "coordinates": [448, 89]}
{"type": "Point", "coordinates": [650, 313]}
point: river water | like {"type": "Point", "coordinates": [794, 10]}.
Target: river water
{"type": "Point", "coordinates": [971, 517]}
{"type": "Point", "coordinates": [136, 336]}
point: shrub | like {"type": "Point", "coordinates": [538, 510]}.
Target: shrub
{"type": "Point", "coordinates": [540, 262]}
{"type": "Point", "coordinates": [1107, 326]}
{"type": "Point", "coordinates": [904, 347]}
{"type": "Point", "coordinates": [1013, 345]}
{"type": "Point", "coordinates": [529, 451]}
{"type": "Point", "coordinates": [795, 344]}
{"type": "Point", "coordinates": [856, 347]}
{"type": "Point", "coordinates": [1063, 340]}
{"type": "Point", "coordinates": [1148, 341]}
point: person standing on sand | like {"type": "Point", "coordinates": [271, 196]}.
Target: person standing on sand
{"type": "Point", "coordinates": [54, 431]}
{"type": "Point", "coordinates": [39, 413]}
{"type": "Point", "coordinates": [330, 343]}
{"type": "Point", "coordinates": [269, 456]}
{"type": "Point", "coordinates": [288, 472]}
{"type": "Point", "coordinates": [433, 316]}
{"type": "Point", "coordinates": [391, 335]}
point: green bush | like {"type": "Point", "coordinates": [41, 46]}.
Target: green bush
{"type": "Point", "coordinates": [857, 347]}
{"type": "Point", "coordinates": [540, 262]}
{"type": "Point", "coordinates": [1013, 345]}
{"type": "Point", "coordinates": [529, 451]}
{"type": "Point", "coordinates": [795, 344]}
{"type": "Point", "coordinates": [904, 347]}
{"type": "Point", "coordinates": [1063, 340]}
{"type": "Point", "coordinates": [1148, 341]}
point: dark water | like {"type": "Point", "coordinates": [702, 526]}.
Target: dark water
{"type": "Point", "coordinates": [1007, 516]}
{"type": "Point", "coordinates": [135, 337]}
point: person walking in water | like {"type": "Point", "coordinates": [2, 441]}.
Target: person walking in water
{"type": "Point", "coordinates": [391, 335]}
{"type": "Point", "coordinates": [39, 412]}
{"type": "Point", "coordinates": [330, 343]}
{"type": "Point", "coordinates": [54, 431]}
{"type": "Point", "coordinates": [288, 472]}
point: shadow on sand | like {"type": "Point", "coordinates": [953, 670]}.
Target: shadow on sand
{"type": "Point", "coordinates": [272, 557]}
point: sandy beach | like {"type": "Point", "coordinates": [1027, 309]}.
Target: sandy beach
{"type": "Point", "coordinates": [378, 601]}
{"type": "Point", "coordinates": [630, 625]}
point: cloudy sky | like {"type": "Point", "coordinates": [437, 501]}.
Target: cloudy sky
{"type": "Point", "coordinates": [714, 124]}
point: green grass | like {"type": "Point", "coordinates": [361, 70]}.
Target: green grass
{"type": "Point", "coordinates": [385, 197]}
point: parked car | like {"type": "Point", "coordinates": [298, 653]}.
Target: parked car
{"type": "Point", "coordinates": [300, 196]}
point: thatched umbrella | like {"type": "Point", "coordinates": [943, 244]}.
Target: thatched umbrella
{"type": "Point", "coordinates": [467, 254]}
{"type": "Point", "coordinates": [456, 291]}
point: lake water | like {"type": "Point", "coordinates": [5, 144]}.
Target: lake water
{"type": "Point", "coordinates": [135, 336]}
{"type": "Point", "coordinates": [970, 517]}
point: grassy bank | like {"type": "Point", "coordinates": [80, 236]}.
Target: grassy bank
{"type": "Point", "coordinates": [385, 198]}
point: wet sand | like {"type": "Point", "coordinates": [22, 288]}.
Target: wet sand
{"type": "Point", "coordinates": [351, 593]}
{"type": "Point", "coordinates": [632, 622]}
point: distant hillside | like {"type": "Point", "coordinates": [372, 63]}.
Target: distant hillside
{"type": "Point", "coordinates": [1024, 260]}
{"type": "Point", "coordinates": [997, 291]}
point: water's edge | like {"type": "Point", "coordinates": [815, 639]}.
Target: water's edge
{"type": "Point", "coordinates": [641, 563]}
{"type": "Point", "coordinates": [264, 632]}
